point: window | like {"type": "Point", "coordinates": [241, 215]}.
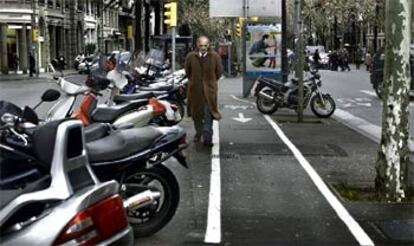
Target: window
{"type": "Point", "coordinates": [41, 3]}
{"type": "Point", "coordinates": [50, 4]}
{"type": "Point", "coordinates": [58, 4]}
{"type": "Point", "coordinates": [67, 4]}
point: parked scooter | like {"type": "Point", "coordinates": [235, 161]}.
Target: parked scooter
{"type": "Point", "coordinates": [48, 187]}
{"type": "Point", "coordinates": [272, 94]}
{"type": "Point", "coordinates": [130, 84]}
{"type": "Point", "coordinates": [138, 111]}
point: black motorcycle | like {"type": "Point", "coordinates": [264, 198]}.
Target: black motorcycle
{"type": "Point", "coordinates": [272, 94]}
{"type": "Point", "coordinates": [134, 157]}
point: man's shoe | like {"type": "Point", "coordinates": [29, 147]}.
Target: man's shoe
{"type": "Point", "coordinates": [208, 143]}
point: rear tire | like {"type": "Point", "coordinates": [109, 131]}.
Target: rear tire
{"type": "Point", "coordinates": [323, 111]}
{"type": "Point", "coordinates": [265, 105]}
{"type": "Point", "coordinates": [150, 219]}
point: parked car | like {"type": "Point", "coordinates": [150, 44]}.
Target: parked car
{"type": "Point", "coordinates": [377, 72]}
{"type": "Point", "coordinates": [324, 62]}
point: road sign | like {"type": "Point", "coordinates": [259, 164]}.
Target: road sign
{"type": "Point", "coordinates": [234, 8]}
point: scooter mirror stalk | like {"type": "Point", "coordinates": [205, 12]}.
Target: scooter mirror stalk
{"type": "Point", "coordinates": [48, 96]}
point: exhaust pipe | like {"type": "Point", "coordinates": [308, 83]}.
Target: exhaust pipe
{"type": "Point", "coordinates": [262, 94]}
{"type": "Point", "coordinates": [141, 200]}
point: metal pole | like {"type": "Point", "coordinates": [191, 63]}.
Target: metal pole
{"type": "Point", "coordinates": [300, 63]}
{"type": "Point", "coordinates": [229, 58]}
{"type": "Point", "coordinates": [35, 44]}
{"type": "Point", "coordinates": [285, 68]}
{"type": "Point", "coordinates": [246, 87]}
{"type": "Point", "coordinates": [173, 50]}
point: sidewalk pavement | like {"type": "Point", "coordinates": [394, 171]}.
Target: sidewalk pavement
{"type": "Point", "coordinates": [24, 77]}
{"type": "Point", "coordinates": [341, 155]}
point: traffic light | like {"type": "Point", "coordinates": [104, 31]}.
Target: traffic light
{"type": "Point", "coordinates": [35, 34]}
{"type": "Point", "coordinates": [239, 27]}
{"type": "Point", "coordinates": [170, 14]}
{"type": "Point", "coordinates": [129, 32]}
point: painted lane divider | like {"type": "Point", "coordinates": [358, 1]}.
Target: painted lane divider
{"type": "Point", "coordinates": [213, 231]}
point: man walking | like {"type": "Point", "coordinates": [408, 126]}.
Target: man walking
{"type": "Point", "coordinates": [203, 68]}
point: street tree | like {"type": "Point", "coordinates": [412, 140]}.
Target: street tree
{"type": "Point", "coordinates": [391, 181]}
{"type": "Point", "coordinates": [195, 14]}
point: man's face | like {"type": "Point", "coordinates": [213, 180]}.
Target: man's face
{"type": "Point", "coordinates": [202, 45]}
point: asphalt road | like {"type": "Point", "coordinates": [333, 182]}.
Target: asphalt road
{"type": "Point", "coordinates": [354, 94]}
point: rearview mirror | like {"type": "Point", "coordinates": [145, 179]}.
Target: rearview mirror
{"type": "Point", "coordinates": [50, 95]}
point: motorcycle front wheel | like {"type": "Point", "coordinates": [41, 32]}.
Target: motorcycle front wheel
{"type": "Point", "coordinates": [150, 219]}
{"type": "Point", "coordinates": [266, 105]}
{"type": "Point", "coordinates": [323, 109]}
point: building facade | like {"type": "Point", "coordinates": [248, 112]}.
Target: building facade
{"type": "Point", "coordinates": [64, 27]}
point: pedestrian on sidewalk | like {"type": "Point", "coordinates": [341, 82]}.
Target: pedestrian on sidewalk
{"type": "Point", "coordinates": [32, 64]}
{"type": "Point", "coordinates": [203, 68]}
{"type": "Point", "coordinates": [359, 57]}
{"type": "Point", "coordinates": [345, 60]}
{"type": "Point", "coordinates": [15, 62]}
{"type": "Point", "coordinates": [368, 60]}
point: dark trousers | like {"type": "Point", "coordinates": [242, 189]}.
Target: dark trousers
{"type": "Point", "coordinates": [204, 127]}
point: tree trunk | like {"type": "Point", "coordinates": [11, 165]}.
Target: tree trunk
{"type": "Point", "coordinates": [391, 181]}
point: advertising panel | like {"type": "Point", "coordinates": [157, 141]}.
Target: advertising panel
{"type": "Point", "coordinates": [264, 50]}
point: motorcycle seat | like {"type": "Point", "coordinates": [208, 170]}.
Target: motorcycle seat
{"type": "Point", "coordinates": [135, 96]}
{"type": "Point", "coordinates": [96, 131]}
{"type": "Point", "coordinates": [121, 144]}
{"type": "Point", "coordinates": [109, 114]}
{"type": "Point", "coordinates": [164, 87]}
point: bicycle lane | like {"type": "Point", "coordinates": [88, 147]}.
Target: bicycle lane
{"type": "Point", "coordinates": [266, 195]}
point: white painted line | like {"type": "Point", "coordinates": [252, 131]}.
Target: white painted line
{"type": "Point", "coordinates": [242, 100]}
{"type": "Point", "coordinates": [362, 126]}
{"type": "Point", "coordinates": [213, 231]}
{"type": "Point", "coordinates": [371, 93]}
{"type": "Point", "coordinates": [340, 210]}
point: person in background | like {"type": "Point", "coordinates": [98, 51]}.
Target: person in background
{"type": "Point", "coordinates": [203, 68]}
{"type": "Point", "coordinates": [359, 57]}
{"type": "Point", "coordinates": [15, 62]}
{"type": "Point", "coordinates": [368, 60]}
{"type": "Point", "coordinates": [32, 64]}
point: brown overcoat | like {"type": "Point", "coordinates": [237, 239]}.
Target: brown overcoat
{"type": "Point", "coordinates": [203, 74]}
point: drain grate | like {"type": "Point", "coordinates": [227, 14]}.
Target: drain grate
{"type": "Point", "coordinates": [398, 230]}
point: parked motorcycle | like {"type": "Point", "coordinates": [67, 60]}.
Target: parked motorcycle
{"type": "Point", "coordinates": [134, 157]}
{"type": "Point", "coordinates": [130, 84]}
{"type": "Point", "coordinates": [48, 188]}
{"type": "Point", "coordinates": [272, 94]}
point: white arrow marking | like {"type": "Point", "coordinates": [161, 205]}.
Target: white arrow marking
{"type": "Point", "coordinates": [348, 105]}
{"type": "Point", "coordinates": [241, 118]}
